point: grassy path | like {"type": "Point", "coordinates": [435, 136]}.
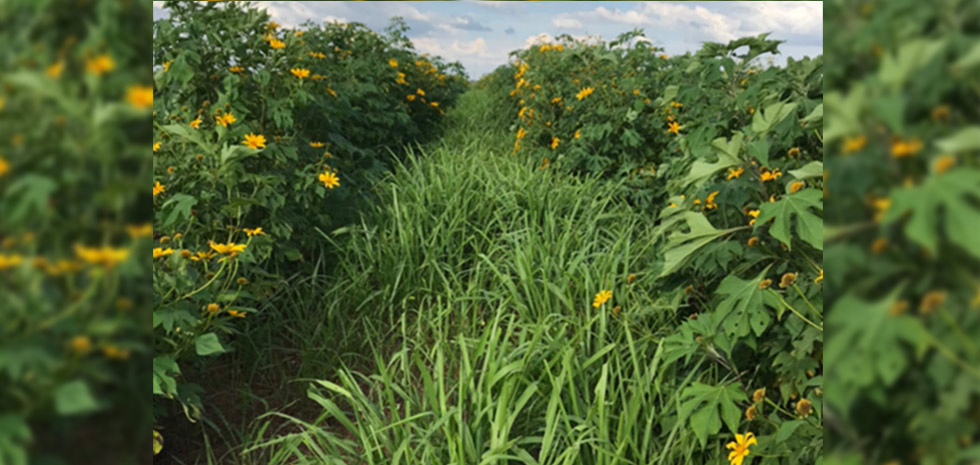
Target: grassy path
{"type": "Point", "coordinates": [468, 293]}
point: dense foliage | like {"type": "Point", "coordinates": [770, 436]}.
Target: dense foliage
{"type": "Point", "coordinates": [727, 152]}
{"type": "Point", "coordinates": [904, 183]}
{"type": "Point", "coordinates": [262, 136]}
{"type": "Point", "coordinates": [75, 103]}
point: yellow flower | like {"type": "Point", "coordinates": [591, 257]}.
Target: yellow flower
{"type": "Point", "coordinates": [166, 65]}
{"type": "Point", "coordinates": [143, 230]}
{"type": "Point", "coordinates": [676, 104]}
{"type": "Point", "coordinates": [674, 127]}
{"type": "Point", "coordinates": [106, 257]}
{"type": "Point", "coordinates": [630, 278]}
{"type": "Point", "coordinates": [584, 93]}
{"type": "Point", "coordinates": [254, 141]}
{"type": "Point", "coordinates": [879, 245]}
{"type": "Point", "coordinates": [880, 206]}
{"type": "Point", "coordinates": [434, 104]}
{"type": "Point", "coordinates": [254, 232]}
{"type": "Point", "coordinates": [241, 281]}
{"type": "Point", "coordinates": [317, 55]}
{"type": "Point", "coordinates": [4, 166]}
{"type": "Point", "coordinates": [100, 65]}
{"type": "Point", "coordinates": [903, 148]}
{"type": "Point", "coordinates": [854, 144]}
{"type": "Point", "coordinates": [750, 413]}
{"type": "Point", "coordinates": [943, 164]}
{"type": "Point", "coordinates": [277, 44]}
{"type": "Point", "coordinates": [898, 308]}
{"type": "Point", "coordinates": [236, 69]}
{"type": "Point", "coordinates": [225, 119]}
{"type": "Point", "coordinates": [316, 145]}
{"type": "Point", "coordinates": [734, 173]}
{"type": "Point", "coordinates": [236, 313]}
{"type": "Point", "coordinates": [556, 100]}
{"type": "Point", "coordinates": [804, 407]}
{"type": "Point", "coordinates": [940, 112]}
{"type": "Point", "coordinates": [544, 164]}
{"type": "Point", "coordinates": [230, 248]}
{"type": "Point", "coordinates": [410, 97]}
{"type": "Point", "coordinates": [787, 280]}
{"type": "Point", "coordinates": [156, 146]}
{"type": "Point", "coordinates": [300, 72]}
{"type": "Point", "coordinates": [740, 448]}
{"type": "Point", "coordinates": [420, 92]}
{"type": "Point", "coordinates": [329, 179]}
{"type": "Point", "coordinates": [796, 186]}
{"type": "Point", "coordinates": [159, 252]}
{"type": "Point", "coordinates": [818, 278]}
{"type": "Point", "coordinates": [758, 395]}
{"type": "Point", "coordinates": [578, 133]}
{"type": "Point", "coordinates": [213, 309]}
{"type": "Point", "coordinates": [80, 344]}
{"type": "Point", "coordinates": [203, 256]}
{"type": "Point", "coordinates": [140, 96]}
{"type": "Point", "coordinates": [10, 261]}
{"type": "Point", "coordinates": [393, 63]}
{"type": "Point", "coordinates": [931, 302]}
{"type": "Point", "coordinates": [793, 152]}
{"type": "Point", "coordinates": [554, 143]}
{"type": "Point", "coordinates": [54, 71]}
{"type": "Point", "coordinates": [770, 175]}
{"type": "Point", "coordinates": [601, 298]}
{"type": "Point", "coordinates": [196, 124]}
{"type": "Point", "coordinates": [664, 56]}
{"type": "Point", "coordinates": [186, 254]}
{"type": "Point", "coordinates": [114, 352]}
{"type": "Point", "coordinates": [158, 188]}
{"type": "Point", "coordinates": [763, 285]}
{"type": "Point", "coordinates": [753, 241]}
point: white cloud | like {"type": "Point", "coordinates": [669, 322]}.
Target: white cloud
{"type": "Point", "coordinates": [565, 22]}
{"type": "Point", "coordinates": [334, 19]}
{"type": "Point", "coordinates": [792, 17]}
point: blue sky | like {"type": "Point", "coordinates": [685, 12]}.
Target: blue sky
{"type": "Point", "coordinates": [480, 34]}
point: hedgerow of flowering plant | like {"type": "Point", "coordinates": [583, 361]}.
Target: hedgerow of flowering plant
{"type": "Point", "coordinates": [904, 184]}
{"type": "Point", "coordinates": [728, 153]}
{"type": "Point", "coordinates": [75, 101]}
{"type": "Point", "coordinates": [262, 135]}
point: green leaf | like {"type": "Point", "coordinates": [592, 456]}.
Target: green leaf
{"type": "Point", "coordinates": [809, 226]}
{"type": "Point", "coordinates": [727, 150]}
{"type": "Point", "coordinates": [165, 371]}
{"type": "Point", "coordinates": [815, 118]}
{"type": "Point", "coordinates": [682, 244]}
{"type": "Point", "coordinates": [74, 398]}
{"type": "Point", "coordinates": [706, 406]}
{"type": "Point", "coordinates": [868, 347]}
{"type": "Point", "coordinates": [969, 60]}
{"type": "Point", "coordinates": [814, 169]}
{"type": "Point", "coordinates": [759, 149]}
{"type": "Point", "coordinates": [208, 344]}
{"type": "Point", "coordinates": [188, 134]}
{"type": "Point", "coordinates": [182, 205]}
{"type": "Point", "coordinates": [964, 140]}
{"type": "Point", "coordinates": [786, 430]}
{"type": "Point", "coordinates": [744, 305]}
{"type": "Point", "coordinates": [670, 92]}
{"type": "Point", "coordinates": [891, 110]}
{"type": "Point", "coordinates": [952, 193]}
{"type": "Point", "coordinates": [29, 194]}
{"type": "Point", "coordinates": [765, 120]}
{"type": "Point", "coordinates": [897, 68]}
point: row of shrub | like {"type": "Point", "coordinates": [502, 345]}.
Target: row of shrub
{"type": "Point", "coordinates": [265, 136]}
{"type": "Point", "coordinates": [725, 150]}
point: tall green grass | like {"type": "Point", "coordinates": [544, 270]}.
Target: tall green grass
{"type": "Point", "coordinates": [461, 316]}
